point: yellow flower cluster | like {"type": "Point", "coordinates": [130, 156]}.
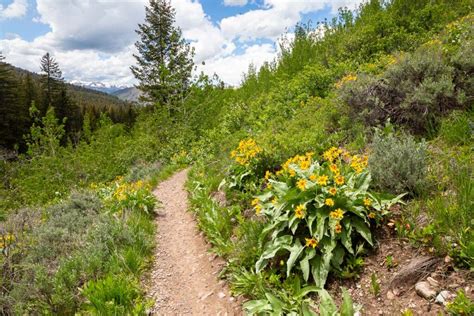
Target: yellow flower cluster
{"type": "Point", "coordinates": [6, 240]}
{"type": "Point", "coordinates": [359, 163]}
{"type": "Point", "coordinates": [246, 150]}
{"type": "Point", "coordinates": [124, 189]}
{"type": "Point", "coordinates": [337, 214]}
{"type": "Point", "coordinates": [303, 161]}
{"type": "Point", "coordinates": [332, 154]}
{"type": "Point", "coordinates": [345, 79]}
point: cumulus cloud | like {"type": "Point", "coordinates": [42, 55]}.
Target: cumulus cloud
{"type": "Point", "coordinates": [94, 40]}
{"type": "Point", "coordinates": [236, 3]}
{"type": "Point", "coordinates": [15, 9]}
{"type": "Point", "coordinates": [231, 68]}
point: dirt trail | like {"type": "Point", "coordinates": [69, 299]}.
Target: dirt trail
{"type": "Point", "coordinates": [184, 278]}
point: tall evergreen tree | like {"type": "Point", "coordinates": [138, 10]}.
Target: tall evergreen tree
{"type": "Point", "coordinates": [165, 59]}
{"type": "Point", "coordinates": [52, 80]}
{"type": "Point", "coordinates": [55, 95]}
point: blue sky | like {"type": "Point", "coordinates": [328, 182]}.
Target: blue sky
{"type": "Point", "coordinates": [93, 40]}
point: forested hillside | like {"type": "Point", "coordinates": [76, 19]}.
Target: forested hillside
{"type": "Point", "coordinates": [334, 179]}
{"type": "Point", "coordinates": [22, 89]}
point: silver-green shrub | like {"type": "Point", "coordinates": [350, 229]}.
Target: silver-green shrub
{"type": "Point", "coordinates": [397, 163]}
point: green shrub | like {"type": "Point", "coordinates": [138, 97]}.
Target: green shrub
{"type": "Point", "coordinates": [414, 91]}
{"type": "Point", "coordinates": [398, 163]}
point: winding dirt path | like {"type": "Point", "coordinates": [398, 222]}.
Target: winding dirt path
{"type": "Point", "coordinates": [184, 277]}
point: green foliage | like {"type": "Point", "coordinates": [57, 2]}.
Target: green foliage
{"type": "Point", "coordinates": [457, 129]}
{"type": "Point", "coordinates": [293, 302]}
{"type": "Point", "coordinates": [113, 296]}
{"type": "Point", "coordinates": [449, 207]}
{"type": "Point", "coordinates": [414, 91]}
{"type": "Point", "coordinates": [318, 213]}
{"type": "Point", "coordinates": [76, 244]}
{"type": "Point", "coordinates": [398, 163]}
{"type": "Point", "coordinates": [461, 306]}
{"type": "Point", "coordinates": [374, 285]}
{"type": "Point", "coordinates": [164, 63]}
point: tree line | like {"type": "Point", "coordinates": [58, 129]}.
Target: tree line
{"type": "Point", "coordinates": [25, 96]}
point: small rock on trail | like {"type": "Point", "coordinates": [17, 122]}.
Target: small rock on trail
{"type": "Point", "coordinates": [183, 280]}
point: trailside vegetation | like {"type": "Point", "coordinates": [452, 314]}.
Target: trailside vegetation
{"type": "Point", "coordinates": [299, 155]}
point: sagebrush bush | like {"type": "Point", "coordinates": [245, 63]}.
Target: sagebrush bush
{"type": "Point", "coordinates": [414, 91]}
{"type": "Point", "coordinates": [398, 163]}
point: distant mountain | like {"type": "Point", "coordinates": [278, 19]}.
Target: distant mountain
{"type": "Point", "coordinates": [98, 86]}
{"type": "Point", "coordinates": [128, 94]}
{"type": "Point", "coordinates": [85, 97]}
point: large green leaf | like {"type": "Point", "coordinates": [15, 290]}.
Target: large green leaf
{"type": "Point", "coordinates": [327, 307]}
{"type": "Point", "coordinates": [362, 228]}
{"type": "Point", "coordinates": [319, 271]}
{"type": "Point", "coordinates": [346, 239]}
{"type": "Point", "coordinates": [309, 254]}
{"type": "Point", "coordinates": [295, 252]}
{"type": "Point", "coordinates": [277, 304]}
{"type": "Point", "coordinates": [347, 307]}
{"type": "Point", "coordinates": [257, 306]}
{"type": "Point", "coordinates": [321, 217]}
{"type": "Point", "coordinates": [338, 256]}
{"type": "Point", "coordinates": [271, 250]}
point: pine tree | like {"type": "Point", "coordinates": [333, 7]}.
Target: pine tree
{"type": "Point", "coordinates": [165, 59]}
{"type": "Point", "coordinates": [55, 95]}
{"type": "Point", "coordinates": [51, 80]}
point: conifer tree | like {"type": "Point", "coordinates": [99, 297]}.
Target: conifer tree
{"type": "Point", "coordinates": [51, 79]}
{"type": "Point", "coordinates": [55, 95]}
{"type": "Point", "coordinates": [164, 62]}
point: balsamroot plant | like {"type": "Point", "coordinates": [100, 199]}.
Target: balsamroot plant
{"type": "Point", "coordinates": [318, 213]}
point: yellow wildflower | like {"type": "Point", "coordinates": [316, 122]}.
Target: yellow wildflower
{"type": "Point", "coordinates": [255, 201]}
{"type": "Point", "coordinates": [367, 202]}
{"type": "Point", "coordinates": [323, 180]}
{"type": "Point", "coordinates": [301, 184]}
{"type": "Point", "coordinates": [258, 209]}
{"type": "Point", "coordinates": [329, 202]}
{"type": "Point", "coordinates": [371, 215]}
{"type": "Point", "coordinates": [304, 165]}
{"type": "Point", "coordinates": [332, 191]}
{"type": "Point", "coordinates": [334, 169]}
{"type": "Point", "coordinates": [268, 175]}
{"type": "Point", "coordinates": [274, 200]}
{"type": "Point", "coordinates": [337, 214]}
{"type": "Point", "coordinates": [339, 180]}
{"type": "Point", "coordinates": [292, 172]}
{"type": "Point", "coordinates": [300, 211]}
{"type": "Point", "coordinates": [311, 242]}
{"type": "Point", "coordinates": [313, 177]}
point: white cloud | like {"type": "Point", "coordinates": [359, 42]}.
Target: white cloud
{"type": "Point", "coordinates": [16, 9]}
{"type": "Point", "coordinates": [275, 17]}
{"type": "Point", "coordinates": [236, 3]}
{"type": "Point", "coordinates": [231, 68]}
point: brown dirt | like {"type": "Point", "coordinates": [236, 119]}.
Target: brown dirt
{"type": "Point", "coordinates": [184, 277]}
{"type": "Point", "coordinates": [395, 297]}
